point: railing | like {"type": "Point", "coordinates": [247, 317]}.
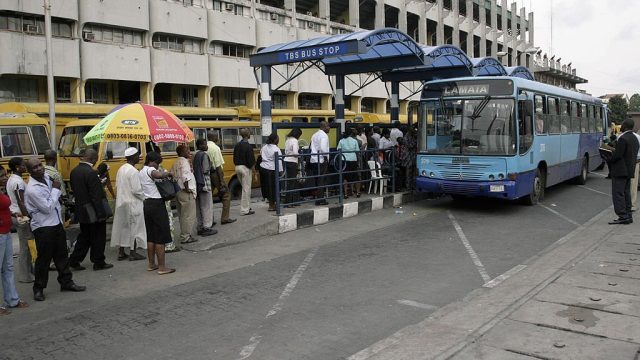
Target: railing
{"type": "Point", "coordinates": [312, 183]}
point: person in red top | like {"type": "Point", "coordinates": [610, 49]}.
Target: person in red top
{"type": "Point", "coordinates": [10, 294]}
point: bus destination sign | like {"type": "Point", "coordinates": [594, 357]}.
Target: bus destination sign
{"type": "Point", "coordinates": [464, 89]}
{"type": "Point", "coordinates": [470, 88]}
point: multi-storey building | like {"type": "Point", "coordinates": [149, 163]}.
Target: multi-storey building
{"type": "Point", "coordinates": [195, 52]}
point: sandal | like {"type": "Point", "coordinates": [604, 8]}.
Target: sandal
{"type": "Point", "coordinates": [154, 268]}
{"type": "Point", "coordinates": [20, 305]}
{"type": "Point", "coordinates": [4, 311]}
{"type": "Point", "coordinates": [165, 272]}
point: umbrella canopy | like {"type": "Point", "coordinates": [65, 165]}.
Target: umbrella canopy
{"type": "Point", "coordinates": [139, 122]}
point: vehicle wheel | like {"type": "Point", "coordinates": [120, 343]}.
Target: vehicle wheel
{"type": "Point", "coordinates": [582, 178]}
{"type": "Point", "coordinates": [235, 189]}
{"type": "Point", "coordinates": [537, 193]}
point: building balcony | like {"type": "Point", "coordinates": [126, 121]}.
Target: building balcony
{"type": "Point", "coordinates": [174, 67]}
{"type": "Point", "coordinates": [26, 54]}
{"type": "Point", "coordinates": [121, 13]}
{"type": "Point", "coordinates": [174, 18]}
{"type": "Point", "coordinates": [66, 9]}
{"type": "Point", "coordinates": [131, 63]}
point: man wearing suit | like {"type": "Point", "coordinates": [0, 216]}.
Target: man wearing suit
{"type": "Point", "coordinates": [622, 165]}
{"type": "Point", "coordinates": [90, 212]}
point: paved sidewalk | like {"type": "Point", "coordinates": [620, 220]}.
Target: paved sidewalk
{"type": "Point", "coordinates": [580, 299]}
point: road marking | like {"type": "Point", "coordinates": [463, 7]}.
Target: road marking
{"type": "Point", "coordinates": [498, 279]}
{"type": "Point", "coordinates": [474, 257]}
{"type": "Point", "coordinates": [561, 216]}
{"type": "Point", "coordinates": [248, 350]}
{"type": "Point", "coordinates": [417, 304]}
{"type": "Point", "coordinates": [594, 190]}
{"type": "Point", "coordinates": [599, 174]}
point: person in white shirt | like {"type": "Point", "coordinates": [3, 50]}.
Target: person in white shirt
{"type": "Point", "coordinates": [269, 154]}
{"type": "Point", "coordinates": [395, 134]}
{"type": "Point", "coordinates": [376, 135]}
{"type": "Point", "coordinates": [319, 160]}
{"type": "Point", "coordinates": [128, 230]}
{"type": "Point", "coordinates": [20, 218]}
{"type": "Point", "coordinates": [186, 198]}
{"type": "Point", "coordinates": [291, 160]}
{"type": "Point", "coordinates": [385, 141]}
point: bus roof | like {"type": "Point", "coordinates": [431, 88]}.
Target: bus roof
{"type": "Point", "coordinates": [190, 123]}
{"type": "Point", "coordinates": [245, 111]}
{"type": "Point", "coordinates": [10, 118]}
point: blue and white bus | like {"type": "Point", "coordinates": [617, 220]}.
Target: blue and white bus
{"type": "Point", "coordinates": [505, 137]}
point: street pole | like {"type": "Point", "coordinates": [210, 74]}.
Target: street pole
{"type": "Point", "coordinates": [50, 84]}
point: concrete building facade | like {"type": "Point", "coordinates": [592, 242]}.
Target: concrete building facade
{"type": "Point", "coordinates": [195, 52]}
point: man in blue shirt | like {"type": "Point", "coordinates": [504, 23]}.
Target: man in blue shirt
{"type": "Point", "coordinates": [41, 198]}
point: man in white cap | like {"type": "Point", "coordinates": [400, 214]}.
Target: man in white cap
{"type": "Point", "coordinates": [128, 229]}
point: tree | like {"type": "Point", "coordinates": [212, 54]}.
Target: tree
{"type": "Point", "coordinates": [618, 107]}
{"type": "Point", "coordinates": [634, 103]}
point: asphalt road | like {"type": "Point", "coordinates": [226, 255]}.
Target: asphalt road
{"type": "Point", "coordinates": [326, 298]}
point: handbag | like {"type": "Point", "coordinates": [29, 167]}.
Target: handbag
{"type": "Point", "coordinates": [168, 189]}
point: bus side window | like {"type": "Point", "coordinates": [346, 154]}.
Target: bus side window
{"type": "Point", "coordinates": [230, 137]}
{"type": "Point", "coordinates": [298, 119]}
{"type": "Point", "coordinates": [40, 138]}
{"type": "Point", "coordinates": [592, 119]}
{"type": "Point", "coordinates": [553, 118]}
{"type": "Point", "coordinates": [541, 127]}
{"type": "Point", "coordinates": [584, 120]}
{"type": "Point", "coordinates": [598, 115]}
{"type": "Point", "coordinates": [525, 126]}
{"type": "Point", "coordinates": [575, 120]}
{"type": "Point", "coordinates": [16, 141]}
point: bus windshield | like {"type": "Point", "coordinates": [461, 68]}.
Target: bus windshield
{"type": "Point", "coordinates": [71, 141]}
{"type": "Point", "coordinates": [482, 126]}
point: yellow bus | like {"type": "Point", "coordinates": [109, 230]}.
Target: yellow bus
{"type": "Point", "coordinates": [293, 115]}
{"type": "Point", "coordinates": [112, 153]}
{"type": "Point", "coordinates": [23, 135]}
{"type": "Point", "coordinates": [374, 118]}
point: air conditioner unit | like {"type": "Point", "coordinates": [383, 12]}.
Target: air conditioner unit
{"type": "Point", "coordinates": [229, 6]}
{"type": "Point", "coordinates": [311, 24]}
{"type": "Point", "coordinates": [89, 36]}
{"type": "Point", "coordinates": [28, 28]}
{"type": "Point", "coordinates": [310, 13]}
{"type": "Point", "coordinates": [157, 44]}
{"type": "Point", "coordinates": [274, 16]}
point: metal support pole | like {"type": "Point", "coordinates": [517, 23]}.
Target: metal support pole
{"type": "Point", "coordinates": [395, 103]}
{"type": "Point", "coordinates": [277, 183]}
{"type": "Point", "coordinates": [50, 84]}
{"type": "Point", "coordinates": [339, 100]}
{"type": "Point", "coordinates": [340, 177]}
{"type": "Point", "coordinates": [265, 101]}
{"type": "Point", "coordinates": [393, 170]}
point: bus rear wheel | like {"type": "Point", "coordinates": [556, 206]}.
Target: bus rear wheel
{"type": "Point", "coordinates": [582, 178]}
{"type": "Point", "coordinates": [537, 192]}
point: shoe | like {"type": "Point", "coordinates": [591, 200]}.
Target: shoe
{"type": "Point", "coordinates": [208, 232]}
{"type": "Point", "coordinates": [214, 224]}
{"type": "Point", "coordinates": [271, 208]}
{"type": "Point", "coordinates": [190, 240]}
{"type": "Point", "coordinates": [620, 221]}
{"type": "Point", "coordinates": [38, 295]}
{"type": "Point", "coordinates": [228, 221]}
{"type": "Point", "coordinates": [165, 272]}
{"type": "Point", "coordinates": [26, 281]}
{"type": "Point", "coordinates": [135, 256]}
{"type": "Point", "coordinates": [77, 267]}
{"type": "Point", "coordinates": [73, 287]}
{"type": "Point", "coordinates": [251, 212]}
{"type": "Point", "coordinates": [176, 249]}
{"type": "Point", "coordinates": [4, 311]}
{"type": "Point", "coordinates": [20, 305]}
{"type": "Point", "coordinates": [102, 266]}
{"type": "Point", "coordinates": [122, 257]}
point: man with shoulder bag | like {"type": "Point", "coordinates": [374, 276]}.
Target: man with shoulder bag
{"type": "Point", "coordinates": [92, 211]}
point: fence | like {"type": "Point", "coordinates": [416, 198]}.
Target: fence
{"type": "Point", "coordinates": [309, 180]}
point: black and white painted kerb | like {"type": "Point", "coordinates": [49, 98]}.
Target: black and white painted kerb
{"type": "Point", "coordinates": [321, 215]}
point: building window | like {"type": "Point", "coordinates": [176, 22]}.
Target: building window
{"type": "Point", "coordinates": [63, 91]}
{"type": "Point", "coordinates": [187, 96]}
{"type": "Point", "coordinates": [230, 49]}
{"type": "Point", "coordinates": [176, 43]}
{"type": "Point", "coordinates": [20, 90]}
{"type": "Point", "coordinates": [31, 24]}
{"type": "Point", "coordinates": [305, 24]}
{"type": "Point", "coordinates": [367, 105]}
{"type": "Point", "coordinates": [279, 101]}
{"type": "Point", "coordinates": [113, 35]}
{"type": "Point", "coordinates": [234, 97]}
{"type": "Point", "coordinates": [227, 7]}
{"type": "Point", "coordinates": [310, 102]}
{"type": "Point", "coordinates": [96, 92]}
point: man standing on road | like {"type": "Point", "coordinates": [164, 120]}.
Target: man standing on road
{"type": "Point", "coordinates": [15, 190]}
{"type": "Point", "coordinates": [204, 199]}
{"type": "Point", "coordinates": [128, 230]}
{"type": "Point", "coordinates": [41, 198]}
{"type": "Point", "coordinates": [50, 160]}
{"type": "Point", "coordinates": [186, 197]}
{"type": "Point", "coordinates": [245, 160]}
{"type": "Point", "coordinates": [319, 160]}
{"type": "Point", "coordinates": [217, 176]}
{"type": "Point", "coordinates": [622, 164]}
{"type": "Point", "coordinates": [91, 203]}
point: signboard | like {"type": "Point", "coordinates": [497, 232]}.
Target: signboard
{"type": "Point", "coordinates": [305, 53]}
{"type": "Point", "coordinates": [468, 88]}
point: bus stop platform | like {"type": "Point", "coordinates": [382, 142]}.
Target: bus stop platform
{"type": "Point", "coordinates": [267, 223]}
{"type": "Point", "coordinates": [579, 299]}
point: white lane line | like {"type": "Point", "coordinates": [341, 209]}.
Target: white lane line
{"type": "Point", "coordinates": [254, 341]}
{"type": "Point", "coordinates": [417, 304]}
{"type": "Point", "coordinates": [472, 253]}
{"type": "Point", "coordinates": [498, 279]}
{"type": "Point", "coordinates": [561, 216]}
{"type": "Point", "coordinates": [594, 190]}
{"type": "Point", "coordinates": [599, 174]}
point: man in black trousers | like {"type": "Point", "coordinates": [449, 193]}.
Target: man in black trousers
{"type": "Point", "coordinates": [622, 166]}
{"type": "Point", "coordinates": [91, 203]}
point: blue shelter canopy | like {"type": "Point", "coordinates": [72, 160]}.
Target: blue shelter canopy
{"type": "Point", "coordinates": [488, 66]}
{"type": "Point", "coordinates": [358, 52]}
{"type": "Point", "coordinates": [519, 71]}
{"type": "Point", "coordinates": [440, 62]}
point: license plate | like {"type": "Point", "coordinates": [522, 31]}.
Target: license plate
{"type": "Point", "coordinates": [496, 188]}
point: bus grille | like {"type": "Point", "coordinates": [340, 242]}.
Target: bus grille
{"type": "Point", "coordinates": [462, 175]}
{"type": "Point", "coordinates": [451, 171]}
{"type": "Point", "coordinates": [461, 188]}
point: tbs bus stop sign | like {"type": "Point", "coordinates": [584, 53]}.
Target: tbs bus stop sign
{"type": "Point", "coordinates": [313, 53]}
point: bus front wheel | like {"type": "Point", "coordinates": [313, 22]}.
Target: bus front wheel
{"type": "Point", "coordinates": [582, 178]}
{"type": "Point", "coordinates": [537, 192]}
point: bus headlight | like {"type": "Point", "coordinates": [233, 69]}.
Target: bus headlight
{"type": "Point", "coordinates": [491, 177]}
{"type": "Point", "coordinates": [432, 174]}
{"type": "Point", "coordinates": [500, 176]}
{"type": "Point", "coordinates": [424, 172]}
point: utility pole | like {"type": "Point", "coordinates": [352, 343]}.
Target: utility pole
{"type": "Point", "coordinates": [50, 85]}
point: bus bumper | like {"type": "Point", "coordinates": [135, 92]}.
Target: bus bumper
{"type": "Point", "coordinates": [496, 189]}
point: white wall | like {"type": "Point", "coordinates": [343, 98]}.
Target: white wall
{"type": "Point", "coordinates": [67, 9]}
{"type": "Point", "coordinates": [174, 18]}
{"type": "Point", "coordinates": [230, 72]}
{"type": "Point", "coordinates": [25, 54]}
{"type": "Point", "coordinates": [231, 28]}
{"type": "Point", "coordinates": [124, 13]}
{"type": "Point", "coordinates": [179, 68]}
{"type": "Point", "coordinates": [113, 62]}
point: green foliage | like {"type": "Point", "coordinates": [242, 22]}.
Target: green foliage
{"type": "Point", "coordinates": [618, 107]}
{"type": "Point", "coordinates": [634, 103]}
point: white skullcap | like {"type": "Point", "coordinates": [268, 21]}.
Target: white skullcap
{"type": "Point", "coordinates": [130, 151]}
